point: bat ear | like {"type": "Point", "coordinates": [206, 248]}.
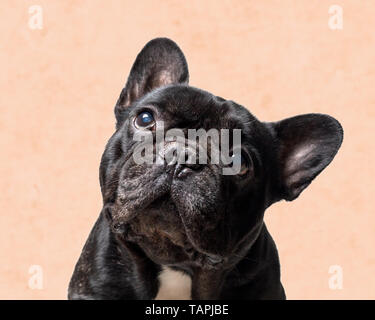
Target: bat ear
{"type": "Point", "coordinates": [307, 144]}
{"type": "Point", "coordinates": [161, 62]}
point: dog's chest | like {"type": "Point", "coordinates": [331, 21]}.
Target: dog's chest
{"type": "Point", "coordinates": [174, 285]}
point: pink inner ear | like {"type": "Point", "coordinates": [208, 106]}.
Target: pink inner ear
{"type": "Point", "coordinates": [131, 95]}
{"type": "Point", "coordinates": [165, 78]}
{"type": "Point", "coordinates": [294, 165]}
{"type": "Point", "coordinates": [302, 152]}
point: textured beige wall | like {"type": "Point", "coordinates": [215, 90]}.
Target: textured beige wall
{"type": "Point", "coordinates": [58, 87]}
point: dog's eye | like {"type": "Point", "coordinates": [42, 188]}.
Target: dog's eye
{"type": "Point", "coordinates": [145, 120]}
{"type": "Point", "coordinates": [238, 158]}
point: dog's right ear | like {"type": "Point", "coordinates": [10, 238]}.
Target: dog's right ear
{"type": "Point", "coordinates": [161, 62]}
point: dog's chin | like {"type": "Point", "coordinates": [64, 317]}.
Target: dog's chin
{"type": "Point", "coordinates": [159, 229]}
{"type": "Point", "coordinates": [174, 220]}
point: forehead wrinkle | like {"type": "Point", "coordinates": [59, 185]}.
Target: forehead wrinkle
{"type": "Point", "coordinates": [198, 108]}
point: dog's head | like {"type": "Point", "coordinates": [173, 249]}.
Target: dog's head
{"type": "Point", "coordinates": [184, 211]}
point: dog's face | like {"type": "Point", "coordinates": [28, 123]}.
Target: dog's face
{"type": "Point", "coordinates": [182, 212]}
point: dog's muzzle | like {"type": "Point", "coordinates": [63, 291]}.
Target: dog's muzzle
{"type": "Point", "coordinates": [184, 158]}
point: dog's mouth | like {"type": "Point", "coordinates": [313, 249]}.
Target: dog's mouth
{"type": "Point", "coordinates": [174, 219]}
{"type": "Point", "coordinates": [159, 229]}
{"type": "Point", "coordinates": [163, 202]}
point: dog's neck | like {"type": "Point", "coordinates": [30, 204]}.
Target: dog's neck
{"type": "Point", "coordinates": [168, 283]}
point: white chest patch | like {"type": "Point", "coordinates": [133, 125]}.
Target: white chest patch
{"type": "Point", "coordinates": [174, 285]}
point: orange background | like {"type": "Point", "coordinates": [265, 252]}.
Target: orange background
{"type": "Point", "coordinates": [278, 58]}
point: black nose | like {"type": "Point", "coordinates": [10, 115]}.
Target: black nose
{"type": "Point", "coordinates": [183, 158]}
{"type": "Point", "coordinates": [182, 170]}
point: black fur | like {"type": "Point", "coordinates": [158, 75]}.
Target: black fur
{"type": "Point", "coordinates": [207, 225]}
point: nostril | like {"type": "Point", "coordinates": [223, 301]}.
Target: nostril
{"type": "Point", "coordinates": [193, 166]}
{"type": "Point", "coordinates": [184, 173]}
{"type": "Point", "coordinates": [183, 170]}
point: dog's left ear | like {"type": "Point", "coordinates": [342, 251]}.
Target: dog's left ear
{"type": "Point", "coordinates": [306, 145]}
{"type": "Point", "coordinates": [161, 62]}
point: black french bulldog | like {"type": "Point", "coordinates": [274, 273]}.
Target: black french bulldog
{"type": "Point", "coordinates": [202, 223]}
